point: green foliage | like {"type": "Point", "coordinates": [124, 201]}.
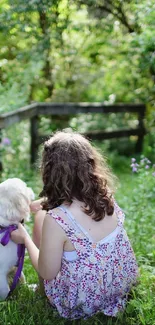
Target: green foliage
{"type": "Point", "coordinates": [76, 51]}
{"type": "Point", "coordinates": [141, 207]}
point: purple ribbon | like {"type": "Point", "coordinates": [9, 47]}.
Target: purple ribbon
{"type": "Point", "coordinates": [20, 253]}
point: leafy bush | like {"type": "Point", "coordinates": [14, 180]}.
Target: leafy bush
{"type": "Point", "coordinates": [141, 209]}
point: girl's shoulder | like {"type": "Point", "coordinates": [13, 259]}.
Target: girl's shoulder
{"type": "Point", "coordinates": [58, 215]}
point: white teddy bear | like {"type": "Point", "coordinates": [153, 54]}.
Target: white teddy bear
{"type": "Point", "coordinates": [15, 200]}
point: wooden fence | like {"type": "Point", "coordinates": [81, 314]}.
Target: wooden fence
{"type": "Point", "coordinates": [34, 111]}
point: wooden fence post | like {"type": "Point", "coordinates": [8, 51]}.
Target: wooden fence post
{"type": "Point", "coordinates": [139, 144]}
{"type": "Point", "coordinates": [34, 123]}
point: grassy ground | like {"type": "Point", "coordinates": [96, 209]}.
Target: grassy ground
{"type": "Point", "coordinates": [29, 308]}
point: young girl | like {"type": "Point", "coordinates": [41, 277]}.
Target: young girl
{"type": "Point", "coordinates": [80, 247]}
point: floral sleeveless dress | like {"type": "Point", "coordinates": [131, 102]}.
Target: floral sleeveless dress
{"type": "Point", "coordinates": [101, 276]}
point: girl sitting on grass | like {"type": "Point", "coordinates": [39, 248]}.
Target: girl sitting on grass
{"type": "Point", "coordinates": [79, 245]}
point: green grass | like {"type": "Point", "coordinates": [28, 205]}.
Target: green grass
{"type": "Point", "coordinates": [136, 197]}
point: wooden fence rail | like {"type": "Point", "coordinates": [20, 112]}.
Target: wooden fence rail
{"type": "Point", "coordinates": [34, 111]}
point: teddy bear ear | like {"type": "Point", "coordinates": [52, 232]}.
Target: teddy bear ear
{"type": "Point", "coordinates": [19, 208]}
{"type": "Point", "coordinates": [23, 202]}
{"type": "Point", "coordinates": [30, 194]}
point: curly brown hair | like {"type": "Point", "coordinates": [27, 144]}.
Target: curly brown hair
{"type": "Point", "coordinates": [73, 169]}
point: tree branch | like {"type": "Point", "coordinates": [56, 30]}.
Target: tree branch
{"type": "Point", "coordinates": [119, 14]}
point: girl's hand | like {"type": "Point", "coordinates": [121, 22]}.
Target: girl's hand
{"type": "Point", "coordinates": [36, 206]}
{"type": "Point", "coordinates": [19, 236]}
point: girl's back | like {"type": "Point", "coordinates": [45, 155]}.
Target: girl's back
{"type": "Point", "coordinates": [98, 264]}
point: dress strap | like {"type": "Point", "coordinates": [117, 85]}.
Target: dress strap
{"type": "Point", "coordinates": [76, 237]}
{"type": "Point", "coordinates": [120, 214]}
{"type": "Point", "coordinates": [77, 226]}
{"type": "Point", "coordinates": [64, 225]}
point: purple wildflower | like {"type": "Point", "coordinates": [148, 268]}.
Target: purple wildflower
{"type": "Point", "coordinates": [153, 174]}
{"type": "Point", "coordinates": [148, 161]}
{"type": "Point", "coordinates": [134, 169]}
{"type": "Point", "coordinates": [145, 161]}
{"type": "Point", "coordinates": [134, 165]}
{"type": "Point", "coordinates": [6, 141]}
{"type": "Point", "coordinates": [142, 161]}
{"type": "Point", "coordinates": [147, 166]}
